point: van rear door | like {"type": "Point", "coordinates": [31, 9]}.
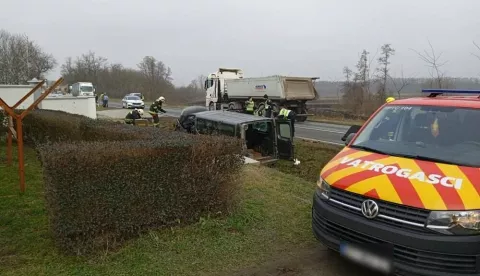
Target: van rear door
{"type": "Point", "coordinates": [284, 140]}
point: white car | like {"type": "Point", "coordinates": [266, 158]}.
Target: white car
{"type": "Point", "coordinates": [132, 102]}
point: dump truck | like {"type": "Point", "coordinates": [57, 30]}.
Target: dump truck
{"type": "Point", "coordinates": [228, 89]}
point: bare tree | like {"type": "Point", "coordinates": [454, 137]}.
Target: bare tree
{"type": "Point", "coordinates": [383, 70]}
{"type": "Point", "coordinates": [22, 59]}
{"type": "Point", "coordinates": [433, 61]}
{"type": "Point", "coordinates": [86, 67]}
{"type": "Point", "coordinates": [478, 48]}
{"type": "Point", "coordinates": [197, 84]}
{"type": "Point", "coordinates": [400, 83]}
{"type": "Point", "coordinates": [157, 76]}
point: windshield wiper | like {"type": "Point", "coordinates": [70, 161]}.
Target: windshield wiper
{"type": "Point", "coordinates": [370, 149]}
{"type": "Point", "coordinates": [426, 158]}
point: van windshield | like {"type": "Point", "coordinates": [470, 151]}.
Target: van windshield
{"type": "Point", "coordinates": [447, 135]}
{"type": "Point", "coordinates": [86, 88]}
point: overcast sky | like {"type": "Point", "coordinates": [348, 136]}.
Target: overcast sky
{"type": "Point", "coordinates": [263, 37]}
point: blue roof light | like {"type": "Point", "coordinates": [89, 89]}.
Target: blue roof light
{"type": "Point", "coordinates": [452, 91]}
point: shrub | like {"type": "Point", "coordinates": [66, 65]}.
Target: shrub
{"type": "Point", "coordinates": [42, 126]}
{"type": "Point", "coordinates": [3, 123]}
{"type": "Point", "coordinates": [101, 193]}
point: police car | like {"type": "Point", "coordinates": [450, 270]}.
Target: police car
{"type": "Point", "coordinates": [403, 196]}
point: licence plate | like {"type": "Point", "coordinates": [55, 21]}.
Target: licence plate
{"type": "Point", "coordinates": [367, 257]}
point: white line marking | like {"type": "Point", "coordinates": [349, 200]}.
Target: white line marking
{"type": "Point", "coordinates": [322, 141]}
{"type": "Point", "coordinates": [320, 129]}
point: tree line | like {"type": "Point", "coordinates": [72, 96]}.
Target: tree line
{"type": "Point", "coordinates": [366, 88]}
{"type": "Point", "coordinates": [21, 59]}
{"type": "Point", "coordinates": [152, 78]}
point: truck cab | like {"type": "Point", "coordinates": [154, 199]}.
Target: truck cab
{"type": "Point", "coordinates": [266, 139]}
{"type": "Point", "coordinates": [82, 89]}
{"type": "Point", "coordinates": [216, 88]}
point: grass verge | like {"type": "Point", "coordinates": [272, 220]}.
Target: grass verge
{"type": "Point", "coordinates": [312, 155]}
{"type": "Point", "coordinates": [273, 217]}
{"type": "Point", "coordinates": [101, 108]}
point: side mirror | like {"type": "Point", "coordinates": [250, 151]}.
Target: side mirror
{"type": "Point", "coordinates": [352, 130]}
{"type": "Point", "coordinates": [349, 138]}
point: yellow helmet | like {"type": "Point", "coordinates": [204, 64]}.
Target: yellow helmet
{"type": "Point", "coordinates": [390, 99]}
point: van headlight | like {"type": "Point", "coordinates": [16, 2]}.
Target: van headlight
{"type": "Point", "coordinates": [324, 188]}
{"type": "Point", "coordinates": [455, 222]}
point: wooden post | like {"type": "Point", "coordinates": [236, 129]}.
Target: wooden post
{"type": "Point", "coordinates": [19, 130]}
{"type": "Point", "coordinates": [21, 164]}
{"type": "Point", "coordinates": [35, 88]}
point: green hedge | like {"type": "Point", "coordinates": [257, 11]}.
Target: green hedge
{"type": "Point", "coordinates": [3, 123]}
{"type": "Point", "coordinates": [106, 182]}
{"type": "Point", "coordinates": [42, 126]}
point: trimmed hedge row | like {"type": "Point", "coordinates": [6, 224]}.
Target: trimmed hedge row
{"type": "Point", "coordinates": [3, 123]}
{"type": "Point", "coordinates": [106, 182]}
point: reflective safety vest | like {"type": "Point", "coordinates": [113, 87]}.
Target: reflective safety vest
{"type": "Point", "coordinates": [284, 112]}
{"type": "Point", "coordinates": [250, 105]}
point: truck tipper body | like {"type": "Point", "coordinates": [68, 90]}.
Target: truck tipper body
{"type": "Point", "coordinates": [228, 89]}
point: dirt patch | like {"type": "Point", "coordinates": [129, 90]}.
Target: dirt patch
{"type": "Point", "coordinates": [315, 261]}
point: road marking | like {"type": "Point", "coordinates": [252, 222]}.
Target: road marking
{"type": "Point", "coordinates": [322, 141]}
{"type": "Point", "coordinates": [320, 129]}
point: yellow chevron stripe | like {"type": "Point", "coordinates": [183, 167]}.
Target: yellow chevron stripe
{"type": "Point", "coordinates": [385, 189]}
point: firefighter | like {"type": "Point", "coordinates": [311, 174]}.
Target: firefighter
{"type": "Point", "coordinates": [155, 108]}
{"type": "Point", "coordinates": [133, 115]}
{"type": "Point", "coordinates": [287, 114]}
{"type": "Point", "coordinates": [249, 106]}
{"type": "Point", "coordinates": [268, 106]}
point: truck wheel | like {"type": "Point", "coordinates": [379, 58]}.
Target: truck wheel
{"type": "Point", "coordinates": [211, 106]}
{"type": "Point", "coordinates": [301, 118]}
{"type": "Point", "coordinates": [231, 106]}
{"type": "Point", "coordinates": [261, 110]}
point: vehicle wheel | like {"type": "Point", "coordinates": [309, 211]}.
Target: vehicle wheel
{"type": "Point", "coordinates": [231, 106]}
{"type": "Point", "coordinates": [211, 106]}
{"type": "Point", "coordinates": [302, 118]}
{"type": "Point", "coordinates": [261, 110]}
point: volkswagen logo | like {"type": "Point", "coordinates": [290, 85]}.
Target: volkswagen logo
{"type": "Point", "coordinates": [370, 209]}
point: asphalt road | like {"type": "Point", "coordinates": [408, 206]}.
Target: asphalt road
{"type": "Point", "coordinates": [327, 133]}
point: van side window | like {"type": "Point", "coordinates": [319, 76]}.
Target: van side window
{"type": "Point", "coordinates": [201, 126]}
{"type": "Point", "coordinates": [285, 131]}
{"type": "Point", "coordinates": [225, 129]}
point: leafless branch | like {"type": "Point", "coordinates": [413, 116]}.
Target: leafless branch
{"type": "Point", "coordinates": [432, 60]}
{"type": "Point", "coordinates": [478, 48]}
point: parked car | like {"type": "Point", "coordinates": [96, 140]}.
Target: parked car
{"type": "Point", "coordinates": [266, 139]}
{"type": "Point", "coordinates": [132, 102]}
{"type": "Point", "coordinates": [138, 95]}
